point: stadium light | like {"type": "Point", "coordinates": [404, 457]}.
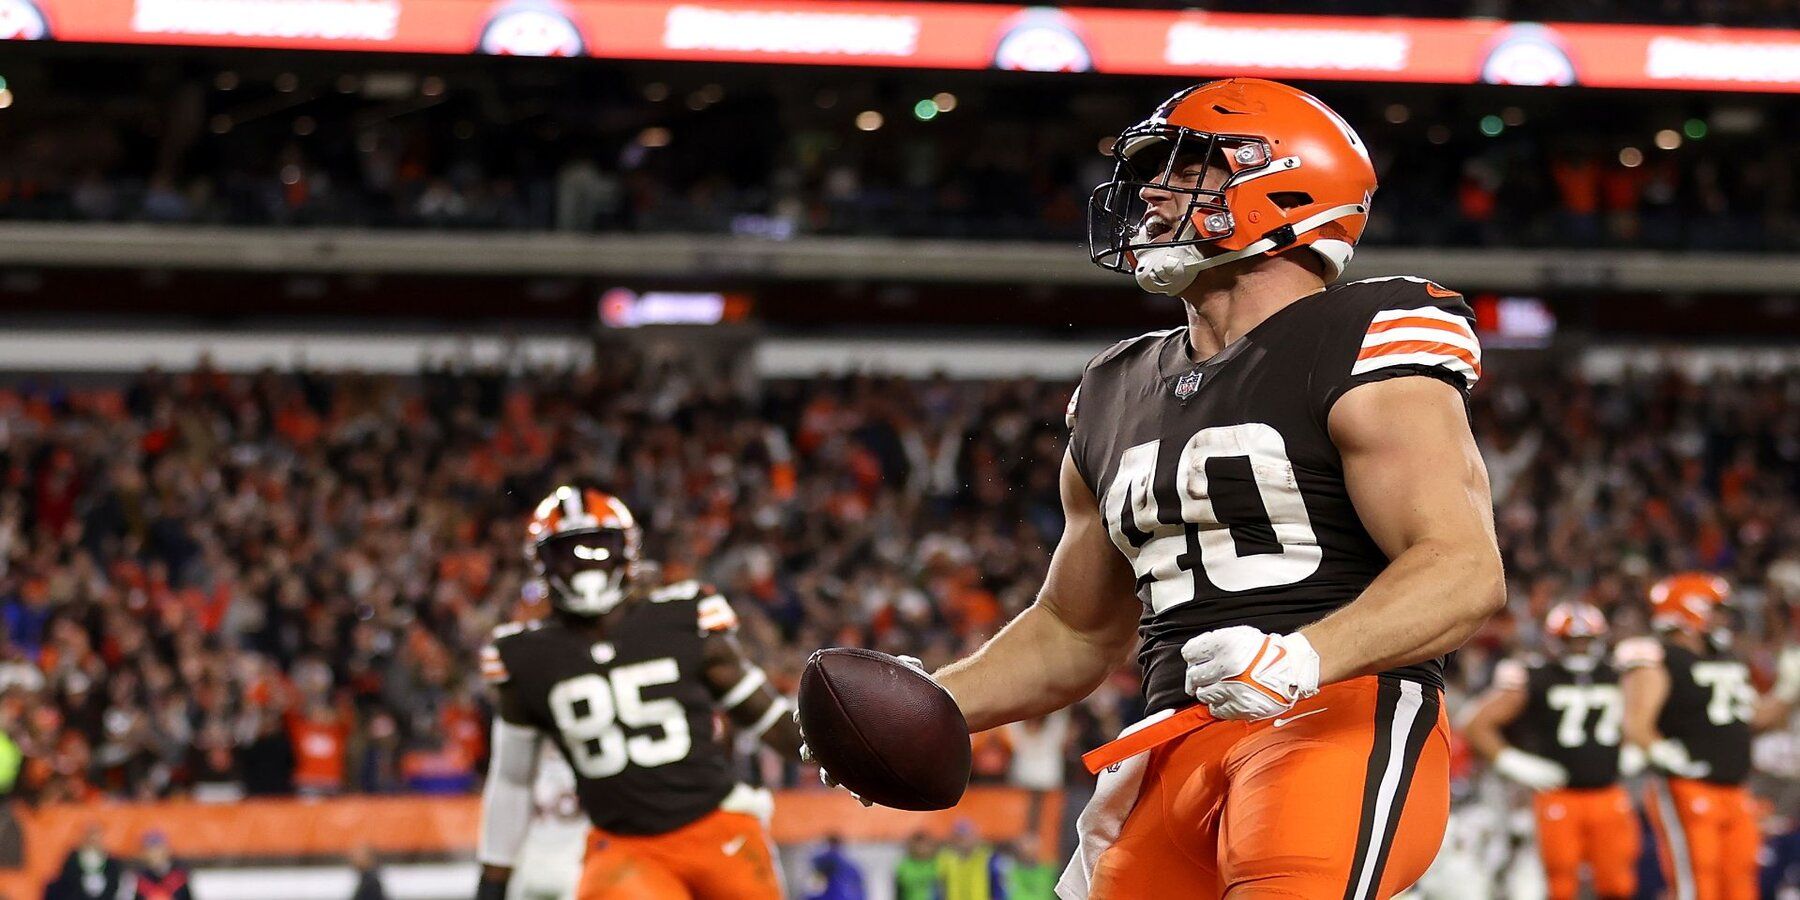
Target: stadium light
{"type": "Point", "coordinates": [1397, 113]}
{"type": "Point", "coordinates": [656, 92]}
{"type": "Point", "coordinates": [1668, 139]}
{"type": "Point", "coordinates": [868, 120]}
{"type": "Point", "coordinates": [1631, 157]}
{"type": "Point", "coordinates": [925, 110]}
{"type": "Point", "coordinates": [1438, 134]}
{"type": "Point", "coordinates": [1492, 126]}
{"type": "Point", "coordinates": [1695, 129]}
{"type": "Point", "coordinates": [654, 137]}
{"type": "Point", "coordinates": [287, 82]}
{"type": "Point", "coordinates": [944, 101]}
{"type": "Point", "coordinates": [6, 97]}
{"type": "Point", "coordinates": [1512, 116]}
{"type": "Point", "coordinates": [226, 80]}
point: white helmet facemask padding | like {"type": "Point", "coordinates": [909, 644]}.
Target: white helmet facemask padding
{"type": "Point", "coordinates": [592, 592]}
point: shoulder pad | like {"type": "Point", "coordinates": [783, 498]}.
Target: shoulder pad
{"type": "Point", "coordinates": [1414, 323]}
{"type": "Point", "coordinates": [508, 629]}
{"type": "Point", "coordinates": [680, 590]}
{"type": "Point", "coordinates": [1637, 652]}
{"type": "Point", "coordinates": [1407, 284]}
{"type": "Point", "coordinates": [1121, 348]}
{"type": "Point", "coordinates": [717, 615]}
{"type": "Point", "coordinates": [1512, 674]}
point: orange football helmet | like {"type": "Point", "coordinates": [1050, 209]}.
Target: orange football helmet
{"type": "Point", "coordinates": [1575, 619]}
{"type": "Point", "coordinates": [1296, 175]}
{"type": "Point", "coordinates": [1686, 601]}
{"type": "Point", "coordinates": [585, 544]}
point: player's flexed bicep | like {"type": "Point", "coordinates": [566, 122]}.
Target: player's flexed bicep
{"type": "Point", "coordinates": [1419, 486]}
{"type": "Point", "coordinates": [741, 687]}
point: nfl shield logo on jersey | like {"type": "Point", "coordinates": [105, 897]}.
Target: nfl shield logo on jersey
{"type": "Point", "coordinates": [1186, 385]}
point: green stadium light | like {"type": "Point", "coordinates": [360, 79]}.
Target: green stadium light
{"type": "Point", "coordinates": [1695, 129]}
{"type": "Point", "coordinates": [925, 110]}
{"type": "Point", "coordinates": [1492, 126]}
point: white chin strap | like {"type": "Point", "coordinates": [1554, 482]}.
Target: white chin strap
{"type": "Point", "coordinates": [1169, 270]}
{"type": "Point", "coordinates": [594, 592]}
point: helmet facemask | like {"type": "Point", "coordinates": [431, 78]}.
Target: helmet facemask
{"type": "Point", "coordinates": [590, 570]}
{"type": "Point", "coordinates": [1127, 233]}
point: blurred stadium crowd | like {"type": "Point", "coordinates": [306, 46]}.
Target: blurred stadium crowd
{"type": "Point", "coordinates": [219, 585]}
{"type": "Point", "coordinates": [610, 153]}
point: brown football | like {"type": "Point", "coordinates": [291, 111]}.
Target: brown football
{"type": "Point", "coordinates": [884, 729]}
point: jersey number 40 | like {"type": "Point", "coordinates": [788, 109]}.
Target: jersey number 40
{"type": "Point", "coordinates": [592, 711]}
{"type": "Point", "coordinates": [1166, 542]}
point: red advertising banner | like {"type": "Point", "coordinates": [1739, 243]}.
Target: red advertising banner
{"type": "Point", "coordinates": [954, 36]}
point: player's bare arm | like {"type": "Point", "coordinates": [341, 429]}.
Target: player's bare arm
{"type": "Point", "coordinates": [1080, 629]}
{"type": "Point", "coordinates": [746, 696]}
{"type": "Point", "coordinates": [506, 798]}
{"type": "Point", "coordinates": [1646, 689]}
{"type": "Point", "coordinates": [1495, 709]}
{"type": "Point", "coordinates": [1418, 483]}
{"type": "Point", "coordinates": [1500, 706]}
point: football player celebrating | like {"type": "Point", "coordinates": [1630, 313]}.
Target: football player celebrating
{"type": "Point", "coordinates": [1553, 725]}
{"type": "Point", "coordinates": [625, 678]}
{"type": "Point", "coordinates": [1690, 711]}
{"type": "Point", "coordinates": [1283, 500]}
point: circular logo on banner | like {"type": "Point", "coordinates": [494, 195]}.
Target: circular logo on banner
{"type": "Point", "coordinates": [1528, 54]}
{"type": "Point", "coordinates": [21, 20]}
{"type": "Point", "coordinates": [531, 28]}
{"type": "Point", "coordinates": [1042, 39]}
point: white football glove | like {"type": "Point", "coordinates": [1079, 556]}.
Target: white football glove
{"type": "Point", "coordinates": [1531, 770]}
{"type": "Point", "coordinates": [1243, 673]}
{"type": "Point", "coordinates": [806, 753]}
{"type": "Point", "coordinates": [1671, 756]}
{"type": "Point", "coordinates": [1632, 761]}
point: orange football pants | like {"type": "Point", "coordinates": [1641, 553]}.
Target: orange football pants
{"type": "Point", "coordinates": [1345, 796]}
{"type": "Point", "coordinates": [1591, 826]}
{"type": "Point", "coordinates": [1707, 836]}
{"type": "Point", "coordinates": [723, 856]}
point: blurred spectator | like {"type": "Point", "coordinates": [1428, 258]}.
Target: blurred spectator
{"type": "Point", "coordinates": [968, 868]}
{"type": "Point", "coordinates": [368, 875]}
{"type": "Point", "coordinates": [90, 872]}
{"type": "Point", "coordinates": [1039, 747]}
{"type": "Point", "coordinates": [916, 875]}
{"type": "Point", "coordinates": [1029, 875]}
{"type": "Point", "coordinates": [835, 876]}
{"type": "Point", "coordinates": [158, 876]}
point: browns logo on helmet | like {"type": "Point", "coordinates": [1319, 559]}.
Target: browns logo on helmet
{"type": "Point", "coordinates": [1573, 630]}
{"type": "Point", "coordinates": [586, 545]}
{"type": "Point", "coordinates": [1294, 175]}
{"type": "Point", "coordinates": [1687, 601]}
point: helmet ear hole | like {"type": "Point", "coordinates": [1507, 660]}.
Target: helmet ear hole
{"type": "Point", "coordinates": [1290, 200]}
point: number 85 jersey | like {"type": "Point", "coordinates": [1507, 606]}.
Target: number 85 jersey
{"type": "Point", "coordinates": [1219, 481]}
{"type": "Point", "coordinates": [630, 711]}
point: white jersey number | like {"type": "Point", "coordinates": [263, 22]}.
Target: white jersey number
{"type": "Point", "coordinates": [1156, 538]}
{"type": "Point", "coordinates": [592, 712]}
{"type": "Point", "coordinates": [1576, 702]}
{"type": "Point", "coordinates": [1733, 699]}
